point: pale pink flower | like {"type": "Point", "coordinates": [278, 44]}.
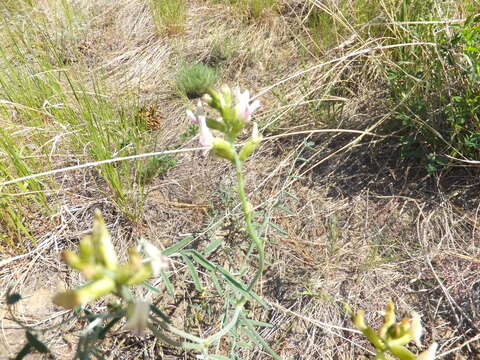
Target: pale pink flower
{"type": "Point", "coordinates": [206, 136]}
{"type": "Point", "coordinates": [243, 108]}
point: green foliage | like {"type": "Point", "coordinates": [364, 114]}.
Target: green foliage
{"type": "Point", "coordinates": [437, 87]}
{"type": "Point", "coordinates": [99, 264]}
{"type": "Point", "coordinates": [40, 96]}
{"type": "Point", "coordinates": [223, 49]}
{"type": "Point", "coordinates": [331, 23]}
{"type": "Point", "coordinates": [194, 80]}
{"type": "Point", "coordinates": [154, 166]}
{"type": "Point", "coordinates": [169, 15]}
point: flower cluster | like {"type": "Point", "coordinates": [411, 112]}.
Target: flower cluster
{"type": "Point", "coordinates": [97, 261]}
{"type": "Point", "coordinates": [235, 109]}
{"type": "Point", "coordinates": [393, 336]}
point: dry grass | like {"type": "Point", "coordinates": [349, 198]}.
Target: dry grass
{"type": "Point", "coordinates": [363, 225]}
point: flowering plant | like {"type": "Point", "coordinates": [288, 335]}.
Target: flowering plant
{"type": "Point", "coordinates": [98, 261]}
{"type": "Point", "coordinates": [393, 336]}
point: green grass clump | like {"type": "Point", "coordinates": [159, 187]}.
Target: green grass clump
{"type": "Point", "coordinates": [331, 23]}
{"type": "Point", "coordinates": [252, 8]}
{"type": "Point", "coordinates": [169, 15]}
{"type": "Point", "coordinates": [194, 80]}
{"type": "Point", "coordinates": [437, 87]}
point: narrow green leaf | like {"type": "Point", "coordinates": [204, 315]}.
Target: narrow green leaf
{"type": "Point", "coordinates": [278, 228]}
{"type": "Point", "coordinates": [178, 246]}
{"type": "Point", "coordinates": [102, 333]}
{"type": "Point", "coordinates": [158, 312]}
{"type": "Point", "coordinates": [168, 283]}
{"type": "Point", "coordinates": [239, 286]}
{"type": "Point", "coordinates": [150, 287]}
{"type": "Point", "coordinates": [258, 323]}
{"type": "Point", "coordinates": [193, 273]}
{"type": "Point", "coordinates": [284, 209]}
{"type": "Point", "coordinates": [201, 260]}
{"type": "Point", "coordinates": [216, 283]}
{"type": "Point", "coordinates": [37, 344]}
{"type": "Point", "coordinates": [213, 246]}
{"type": "Point", "coordinates": [257, 339]}
{"type": "Point", "coordinates": [244, 345]}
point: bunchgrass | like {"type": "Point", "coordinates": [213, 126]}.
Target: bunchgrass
{"type": "Point", "coordinates": [193, 80]}
{"type": "Point", "coordinates": [169, 15]}
{"type": "Point", "coordinates": [252, 8]}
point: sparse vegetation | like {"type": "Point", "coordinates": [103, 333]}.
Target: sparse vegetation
{"type": "Point", "coordinates": [365, 188]}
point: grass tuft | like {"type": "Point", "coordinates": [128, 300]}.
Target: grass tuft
{"type": "Point", "coordinates": [194, 80]}
{"type": "Point", "coordinates": [169, 15]}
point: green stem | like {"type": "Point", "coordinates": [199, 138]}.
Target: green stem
{"type": "Point", "coordinates": [248, 213]}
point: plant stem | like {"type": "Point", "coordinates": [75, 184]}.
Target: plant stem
{"type": "Point", "coordinates": [248, 213]}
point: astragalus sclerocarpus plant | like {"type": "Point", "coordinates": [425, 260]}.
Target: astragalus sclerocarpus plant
{"type": "Point", "coordinates": [221, 116]}
{"type": "Point", "coordinates": [393, 336]}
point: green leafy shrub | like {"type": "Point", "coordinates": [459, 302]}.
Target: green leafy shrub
{"type": "Point", "coordinates": [194, 80]}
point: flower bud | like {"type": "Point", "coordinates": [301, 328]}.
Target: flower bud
{"type": "Point", "coordinates": [141, 275]}
{"type": "Point", "coordinates": [207, 99]}
{"type": "Point", "coordinates": [227, 95]}
{"type": "Point", "coordinates": [388, 318]}
{"type": "Point", "coordinates": [359, 320]}
{"type": "Point", "coordinates": [86, 250]}
{"type": "Point", "coordinates": [72, 260]}
{"type": "Point", "coordinates": [205, 136]}
{"type": "Point", "coordinates": [81, 296]}
{"type": "Point", "coordinates": [216, 124]}
{"type": "Point", "coordinates": [251, 144]}
{"type": "Point", "coordinates": [158, 262]}
{"type": "Point", "coordinates": [223, 149]}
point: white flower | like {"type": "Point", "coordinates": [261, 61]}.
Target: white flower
{"type": "Point", "coordinates": [428, 354]}
{"type": "Point", "coordinates": [416, 329]}
{"type": "Point", "coordinates": [244, 109]}
{"type": "Point", "coordinates": [198, 117]}
{"type": "Point", "coordinates": [137, 317]}
{"type": "Point", "coordinates": [206, 136]}
{"type": "Point", "coordinates": [158, 262]}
